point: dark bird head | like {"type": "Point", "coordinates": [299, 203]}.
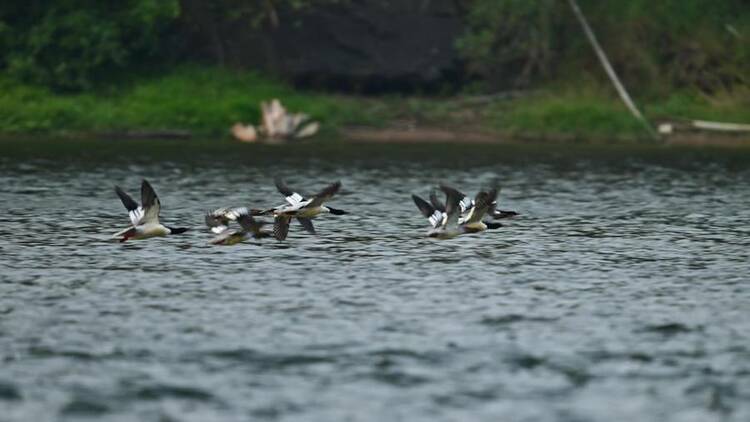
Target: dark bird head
{"type": "Point", "coordinates": [503, 214]}
{"type": "Point", "coordinates": [177, 230]}
{"type": "Point", "coordinates": [336, 211]}
{"type": "Point", "coordinates": [492, 226]}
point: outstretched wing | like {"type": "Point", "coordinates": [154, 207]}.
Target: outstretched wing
{"type": "Point", "coordinates": [281, 226]}
{"type": "Point", "coordinates": [307, 224]}
{"type": "Point", "coordinates": [435, 202]}
{"type": "Point", "coordinates": [453, 200]}
{"type": "Point", "coordinates": [435, 217]}
{"type": "Point", "coordinates": [150, 203]}
{"type": "Point", "coordinates": [482, 203]}
{"type": "Point", "coordinates": [234, 214]}
{"type": "Point", "coordinates": [464, 202]}
{"type": "Point", "coordinates": [217, 220]}
{"type": "Point", "coordinates": [324, 195]}
{"type": "Point", "coordinates": [249, 224]}
{"type": "Point", "coordinates": [135, 212]}
{"type": "Point", "coordinates": [292, 197]}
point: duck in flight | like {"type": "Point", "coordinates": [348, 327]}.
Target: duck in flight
{"type": "Point", "coordinates": [301, 208]}
{"type": "Point", "coordinates": [441, 217]}
{"type": "Point", "coordinates": [219, 219]}
{"type": "Point", "coordinates": [466, 203]}
{"type": "Point", "coordinates": [471, 220]}
{"type": "Point", "coordinates": [453, 218]}
{"type": "Point", "coordinates": [249, 228]}
{"type": "Point", "coordinates": [144, 218]}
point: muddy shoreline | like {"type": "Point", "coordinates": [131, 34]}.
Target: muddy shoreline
{"type": "Point", "coordinates": [431, 135]}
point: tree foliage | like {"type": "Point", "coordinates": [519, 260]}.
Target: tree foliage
{"type": "Point", "coordinates": [68, 44]}
{"type": "Point", "coordinates": [701, 44]}
{"type": "Point", "coordinates": [212, 20]}
{"type": "Point", "coordinates": [65, 43]}
{"type": "Point", "coordinates": [510, 40]}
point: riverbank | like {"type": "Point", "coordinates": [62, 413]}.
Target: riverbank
{"type": "Point", "coordinates": [205, 102]}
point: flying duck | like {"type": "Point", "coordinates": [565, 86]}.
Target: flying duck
{"type": "Point", "coordinates": [440, 216]}
{"type": "Point", "coordinates": [249, 228]}
{"type": "Point", "coordinates": [145, 217]}
{"type": "Point", "coordinates": [466, 214]}
{"type": "Point", "coordinates": [219, 219]}
{"type": "Point", "coordinates": [472, 222]}
{"type": "Point", "coordinates": [301, 208]}
{"type": "Point", "coordinates": [466, 203]}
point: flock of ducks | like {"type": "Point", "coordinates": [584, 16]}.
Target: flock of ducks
{"type": "Point", "coordinates": [459, 214]}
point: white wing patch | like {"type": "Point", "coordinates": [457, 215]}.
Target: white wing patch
{"type": "Point", "coordinates": [283, 209]}
{"type": "Point", "coordinates": [466, 203]}
{"type": "Point", "coordinates": [467, 206]}
{"type": "Point", "coordinates": [219, 229]}
{"type": "Point", "coordinates": [235, 213]}
{"type": "Point", "coordinates": [136, 215]}
{"type": "Point", "coordinates": [437, 218]}
{"type": "Point", "coordinates": [294, 199]}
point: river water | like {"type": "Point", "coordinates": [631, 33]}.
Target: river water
{"type": "Point", "coordinates": [619, 294]}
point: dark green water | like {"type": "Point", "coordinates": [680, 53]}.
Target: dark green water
{"type": "Point", "coordinates": [620, 294]}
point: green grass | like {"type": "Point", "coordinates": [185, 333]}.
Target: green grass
{"type": "Point", "coordinates": [565, 114]}
{"type": "Point", "coordinates": [592, 114]}
{"type": "Point", "coordinates": [207, 101]}
{"type": "Point", "coordinates": [202, 100]}
{"type": "Point", "coordinates": [723, 107]}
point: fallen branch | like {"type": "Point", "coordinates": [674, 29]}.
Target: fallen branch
{"type": "Point", "coordinates": [668, 128]}
{"type": "Point", "coordinates": [720, 126]}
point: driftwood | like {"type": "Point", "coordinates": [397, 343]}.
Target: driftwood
{"type": "Point", "coordinates": [277, 124]}
{"type": "Point", "coordinates": [721, 126]}
{"type": "Point", "coordinates": [668, 128]}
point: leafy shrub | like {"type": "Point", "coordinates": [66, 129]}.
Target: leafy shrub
{"type": "Point", "coordinates": [66, 44]}
{"type": "Point", "coordinates": [660, 46]}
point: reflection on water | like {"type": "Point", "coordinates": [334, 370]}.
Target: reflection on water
{"type": "Point", "coordinates": [619, 294]}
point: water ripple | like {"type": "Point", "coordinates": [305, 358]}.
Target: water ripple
{"type": "Point", "coordinates": [619, 293]}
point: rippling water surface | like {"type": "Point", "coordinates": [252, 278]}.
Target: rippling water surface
{"type": "Point", "coordinates": [620, 293]}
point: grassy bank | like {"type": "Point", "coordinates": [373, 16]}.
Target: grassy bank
{"type": "Point", "coordinates": [207, 101]}
{"type": "Point", "coordinates": [598, 113]}
{"type": "Point", "coordinates": [202, 101]}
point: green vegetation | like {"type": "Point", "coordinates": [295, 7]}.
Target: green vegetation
{"type": "Point", "coordinates": [203, 100]}
{"type": "Point", "coordinates": [64, 44]}
{"type": "Point", "coordinates": [85, 66]}
{"type": "Point", "coordinates": [679, 58]}
{"type": "Point", "coordinates": [207, 101]}
{"type": "Point", "coordinates": [657, 47]}
{"type": "Point", "coordinates": [68, 45]}
{"type": "Point", "coordinates": [597, 113]}
{"type": "Point", "coordinates": [566, 114]}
